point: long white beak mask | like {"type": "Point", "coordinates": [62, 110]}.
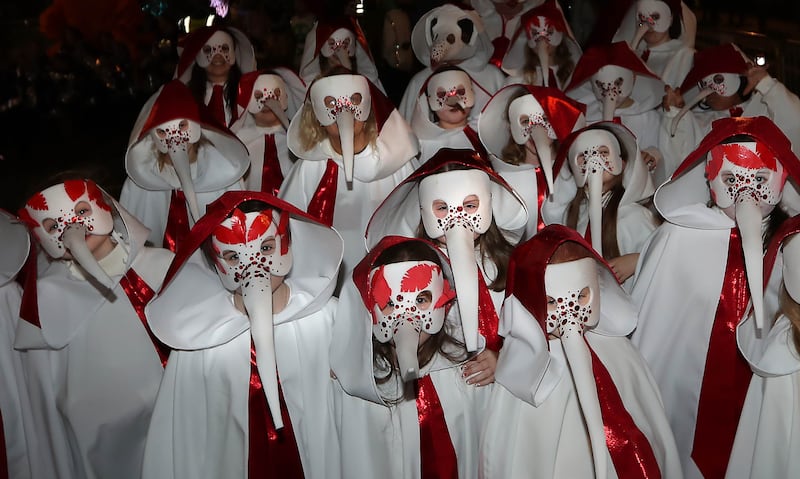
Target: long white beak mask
{"type": "Point", "coordinates": [451, 39]}
{"type": "Point", "coordinates": [724, 84]}
{"type": "Point", "coordinates": [250, 249]}
{"type": "Point", "coordinates": [64, 215]}
{"type": "Point", "coordinates": [342, 45]}
{"type": "Point", "coordinates": [541, 34]}
{"type": "Point", "coordinates": [174, 138]}
{"type": "Point", "coordinates": [341, 99]}
{"type": "Point", "coordinates": [270, 91]}
{"type": "Point", "coordinates": [653, 15]}
{"type": "Point", "coordinates": [449, 89]}
{"type": "Point", "coordinates": [220, 43]}
{"type": "Point", "coordinates": [458, 205]}
{"type": "Point", "coordinates": [746, 182]}
{"type": "Point", "coordinates": [612, 85]}
{"type": "Point", "coordinates": [573, 306]}
{"type": "Point", "coordinates": [408, 297]}
{"type": "Point", "coordinates": [528, 123]}
{"type": "Point", "coordinates": [592, 153]}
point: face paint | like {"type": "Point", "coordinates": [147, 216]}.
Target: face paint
{"type": "Point", "coordinates": [736, 171]}
{"type": "Point", "coordinates": [524, 114]}
{"type": "Point", "coordinates": [74, 202]}
{"type": "Point", "coordinates": [724, 84]}
{"type": "Point", "coordinates": [333, 95]}
{"type": "Point", "coordinates": [541, 28]}
{"type": "Point", "coordinates": [176, 135]}
{"type": "Point", "coordinates": [612, 83]}
{"type": "Point", "coordinates": [456, 198]}
{"type": "Point", "coordinates": [450, 88]}
{"type": "Point", "coordinates": [268, 87]}
{"type": "Point", "coordinates": [573, 296]}
{"type": "Point", "coordinates": [655, 14]}
{"type": "Point", "coordinates": [410, 291]}
{"type": "Point", "coordinates": [341, 40]}
{"type": "Point", "coordinates": [593, 152]}
{"type": "Point", "coordinates": [220, 43]}
{"type": "Point", "coordinates": [250, 245]}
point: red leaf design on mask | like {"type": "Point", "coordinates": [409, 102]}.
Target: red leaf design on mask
{"type": "Point", "coordinates": [380, 292]}
{"type": "Point", "coordinates": [37, 202]}
{"type": "Point", "coordinates": [75, 188]}
{"type": "Point", "coordinates": [26, 218]}
{"type": "Point", "coordinates": [96, 195]}
{"type": "Point", "coordinates": [235, 234]}
{"type": "Point", "coordinates": [260, 225]}
{"type": "Point", "coordinates": [418, 277]}
{"type": "Point", "coordinates": [448, 294]}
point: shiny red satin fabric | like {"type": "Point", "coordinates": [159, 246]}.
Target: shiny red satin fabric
{"type": "Point", "coordinates": [216, 104]}
{"type": "Point", "coordinates": [726, 375]}
{"type": "Point", "coordinates": [437, 455]}
{"type": "Point", "coordinates": [139, 294]}
{"type": "Point", "coordinates": [475, 140]}
{"type": "Point", "coordinates": [488, 321]}
{"type": "Point", "coordinates": [541, 194]}
{"type": "Point", "coordinates": [323, 202]}
{"type": "Point", "coordinates": [501, 45]}
{"type": "Point", "coordinates": [177, 221]}
{"type": "Point", "coordinates": [271, 176]}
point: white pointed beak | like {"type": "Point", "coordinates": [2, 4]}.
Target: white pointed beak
{"type": "Point", "coordinates": [595, 183]}
{"type": "Point", "coordinates": [180, 161]}
{"type": "Point", "coordinates": [686, 107]}
{"type": "Point", "coordinates": [542, 143]}
{"type": "Point", "coordinates": [257, 298]}
{"type": "Point", "coordinates": [344, 60]}
{"type": "Point", "coordinates": [438, 52]}
{"type": "Point", "coordinates": [275, 106]}
{"type": "Point", "coordinates": [609, 108]}
{"type": "Point", "coordinates": [406, 342]}
{"type": "Point", "coordinates": [345, 121]}
{"type": "Point", "coordinates": [461, 249]}
{"type": "Point", "coordinates": [580, 364]}
{"type": "Point", "coordinates": [74, 238]}
{"type": "Point", "coordinates": [640, 32]}
{"type": "Point", "coordinates": [544, 61]}
{"type": "Point", "coordinates": [748, 220]}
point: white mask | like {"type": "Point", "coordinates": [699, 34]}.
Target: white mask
{"type": "Point", "coordinates": [450, 88]}
{"type": "Point", "coordinates": [250, 245]}
{"type": "Point", "coordinates": [573, 296]}
{"type": "Point", "coordinates": [74, 202]}
{"type": "Point", "coordinates": [175, 135]}
{"type": "Point", "coordinates": [443, 201]}
{"type": "Point", "coordinates": [332, 95]}
{"type": "Point", "coordinates": [654, 13]}
{"type": "Point", "coordinates": [736, 171]}
{"type": "Point", "coordinates": [268, 87]}
{"type": "Point", "coordinates": [451, 39]}
{"type": "Point", "coordinates": [542, 29]}
{"type": "Point", "coordinates": [342, 39]}
{"type": "Point", "coordinates": [593, 152]}
{"type": "Point", "coordinates": [612, 83]}
{"type": "Point", "coordinates": [724, 84]}
{"type": "Point", "coordinates": [525, 113]}
{"type": "Point", "coordinates": [400, 287]}
{"type": "Point", "coordinates": [220, 43]}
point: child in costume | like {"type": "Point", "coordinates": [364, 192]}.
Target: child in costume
{"type": "Point", "coordinates": [177, 163]}
{"type": "Point", "coordinates": [470, 50]}
{"type": "Point", "coordinates": [397, 344]}
{"type": "Point", "coordinates": [83, 306]}
{"type": "Point", "coordinates": [501, 19]}
{"type": "Point", "coordinates": [543, 50]}
{"type": "Point", "coordinates": [522, 127]}
{"type": "Point", "coordinates": [248, 392]}
{"type": "Point", "coordinates": [211, 62]}
{"type": "Point", "coordinates": [353, 149]}
{"type": "Point", "coordinates": [267, 99]}
{"type": "Point", "coordinates": [445, 116]}
{"type": "Point", "coordinates": [574, 397]}
{"type": "Point", "coordinates": [697, 275]}
{"type": "Point", "coordinates": [612, 181]}
{"type": "Point", "coordinates": [337, 42]}
{"type": "Point", "coordinates": [470, 212]}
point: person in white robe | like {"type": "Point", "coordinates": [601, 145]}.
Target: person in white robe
{"type": "Point", "coordinates": [574, 398]}
{"type": "Point", "coordinates": [501, 19]}
{"type": "Point", "coordinates": [247, 391]}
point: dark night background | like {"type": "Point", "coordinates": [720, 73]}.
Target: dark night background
{"type": "Point", "coordinates": [74, 73]}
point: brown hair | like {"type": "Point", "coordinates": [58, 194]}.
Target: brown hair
{"type": "Point", "coordinates": [569, 251]}
{"type": "Point", "coordinates": [562, 58]}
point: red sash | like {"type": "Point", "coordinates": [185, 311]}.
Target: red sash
{"type": "Point", "coordinates": [488, 321]}
{"type": "Point", "coordinates": [473, 138]}
{"type": "Point", "coordinates": [177, 229]}
{"type": "Point", "coordinates": [139, 294]}
{"type": "Point", "coordinates": [630, 449]}
{"type": "Point", "coordinates": [216, 104]}
{"type": "Point", "coordinates": [551, 78]}
{"type": "Point", "coordinates": [271, 176]}
{"type": "Point", "coordinates": [272, 453]}
{"type": "Point", "coordinates": [645, 55]}
{"type": "Point", "coordinates": [323, 202]}
{"type": "Point", "coordinates": [726, 375]}
{"type": "Point", "coordinates": [541, 194]}
{"type": "Point", "coordinates": [501, 45]}
{"type": "Point", "coordinates": [437, 456]}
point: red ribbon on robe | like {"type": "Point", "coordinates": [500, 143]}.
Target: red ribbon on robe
{"type": "Point", "coordinates": [475, 140]}
{"type": "Point", "coordinates": [645, 55]}
{"type": "Point", "coordinates": [541, 194]}
{"type": "Point", "coordinates": [139, 293]}
{"type": "Point", "coordinates": [216, 104]}
{"type": "Point", "coordinates": [177, 229]}
{"type": "Point", "coordinates": [726, 375]}
{"type": "Point", "coordinates": [3, 458]}
{"type": "Point", "coordinates": [323, 202]}
{"type": "Point", "coordinates": [488, 321]}
{"type": "Point", "coordinates": [630, 449]}
{"type": "Point", "coordinates": [551, 78]}
{"type": "Point", "coordinates": [501, 45]}
{"type": "Point", "coordinates": [272, 453]}
{"type": "Point", "coordinates": [735, 111]}
{"type": "Point", "coordinates": [437, 455]}
{"type": "Point", "coordinates": [271, 176]}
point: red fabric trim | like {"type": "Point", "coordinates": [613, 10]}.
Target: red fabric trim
{"type": "Point", "coordinates": [216, 104]}
{"type": "Point", "coordinates": [488, 322]}
{"type": "Point", "coordinates": [726, 375]}
{"type": "Point", "coordinates": [541, 194]}
{"type": "Point", "coordinates": [437, 455]}
{"type": "Point", "coordinates": [271, 175]}
{"type": "Point", "coordinates": [177, 221]}
{"type": "Point", "coordinates": [29, 307]}
{"type": "Point", "coordinates": [323, 202]}
{"type": "Point", "coordinates": [473, 138]}
{"type": "Point", "coordinates": [501, 45]}
{"type": "Point", "coordinates": [139, 293]}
